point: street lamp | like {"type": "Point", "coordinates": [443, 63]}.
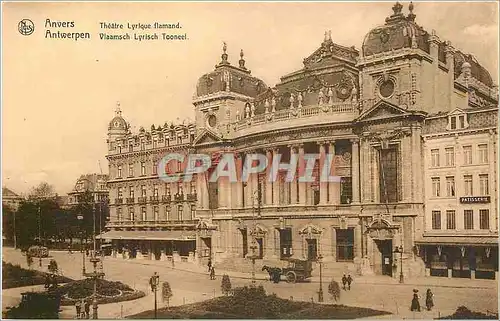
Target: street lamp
{"type": "Point", "coordinates": [154, 281]}
{"type": "Point", "coordinates": [80, 218]}
{"type": "Point", "coordinates": [39, 234]}
{"type": "Point", "coordinates": [320, 292]}
{"type": "Point", "coordinates": [399, 249]}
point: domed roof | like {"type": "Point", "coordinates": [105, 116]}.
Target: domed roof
{"type": "Point", "coordinates": [229, 78]}
{"type": "Point", "coordinates": [477, 71]}
{"type": "Point", "coordinates": [397, 32]}
{"type": "Point", "coordinates": [118, 123]}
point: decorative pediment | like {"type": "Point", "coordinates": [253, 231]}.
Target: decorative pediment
{"type": "Point", "coordinates": [383, 109]}
{"type": "Point", "coordinates": [456, 112]}
{"type": "Point", "coordinates": [385, 137]}
{"type": "Point", "coordinates": [205, 225]}
{"type": "Point", "coordinates": [382, 229]}
{"type": "Point", "coordinates": [258, 230]}
{"type": "Point", "coordinates": [207, 137]}
{"type": "Point", "coordinates": [330, 54]}
{"type": "Point", "coordinates": [310, 230]}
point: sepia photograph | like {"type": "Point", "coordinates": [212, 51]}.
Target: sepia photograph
{"type": "Point", "coordinates": [250, 160]}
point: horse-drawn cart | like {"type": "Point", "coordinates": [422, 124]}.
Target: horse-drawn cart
{"type": "Point", "coordinates": [295, 271]}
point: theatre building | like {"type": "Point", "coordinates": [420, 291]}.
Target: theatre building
{"type": "Point", "coordinates": [381, 110]}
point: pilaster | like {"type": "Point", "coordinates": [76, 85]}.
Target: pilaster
{"type": "Point", "coordinates": [302, 186]}
{"type": "Point", "coordinates": [355, 171]}
{"type": "Point", "coordinates": [323, 184]}
{"type": "Point", "coordinates": [293, 184]}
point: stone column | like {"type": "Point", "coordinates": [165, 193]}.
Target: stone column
{"type": "Point", "coordinates": [222, 183]}
{"type": "Point", "coordinates": [276, 183]}
{"type": "Point", "coordinates": [199, 190]}
{"type": "Point", "coordinates": [238, 185]}
{"type": "Point", "coordinates": [204, 191]}
{"type": "Point", "coordinates": [333, 187]}
{"type": "Point", "coordinates": [269, 184]}
{"type": "Point", "coordinates": [302, 186]}
{"type": "Point", "coordinates": [323, 184]}
{"type": "Point", "coordinates": [293, 184]}
{"type": "Point", "coordinates": [334, 244]}
{"type": "Point", "coordinates": [357, 241]}
{"type": "Point", "coordinates": [355, 171]}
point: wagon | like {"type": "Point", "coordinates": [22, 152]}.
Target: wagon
{"type": "Point", "coordinates": [297, 270]}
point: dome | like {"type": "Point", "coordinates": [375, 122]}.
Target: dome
{"type": "Point", "coordinates": [477, 71]}
{"type": "Point", "coordinates": [118, 123]}
{"type": "Point", "coordinates": [397, 32]}
{"type": "Point", "coordinates": [229, 78]}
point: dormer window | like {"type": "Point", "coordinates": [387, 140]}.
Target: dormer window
{"type": "Point", "coordinates": [457, 120]}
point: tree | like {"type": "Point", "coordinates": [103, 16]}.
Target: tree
{"type": "Point", "coordinates": [226, 284]}
{"type": "Point", "coordinates": [334, 290]}
{"type": "Point", "coordinates": [43, 191]}
{"type": "Point", "coordinates": [8, 223]}
{"type": "Point", "coordinates": [166, 292]}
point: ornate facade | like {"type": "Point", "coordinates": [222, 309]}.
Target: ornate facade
{"type": "Point", "coordinates": [380, 110]}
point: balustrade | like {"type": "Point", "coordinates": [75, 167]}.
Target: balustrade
{"type": "Point", "coordinates": [142, 200]}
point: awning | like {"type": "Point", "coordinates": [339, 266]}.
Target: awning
{"type": "Point", "coordinates": [149, 235]}
{"type": "Point", "coordinates": [458, 240]}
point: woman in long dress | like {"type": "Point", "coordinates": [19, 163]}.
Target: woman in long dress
{"type": "Point", "coordinates": [429, 300]}
{"type": "Point", "coordinates": [415, 304]}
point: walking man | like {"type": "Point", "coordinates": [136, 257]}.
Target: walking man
{"type": "Point", "coordinates": [212, 273]}
{"type": "Point", "coordinates": [209, 264]}
{"type": "Point", "coordinates": [78, 306]}
{"type": "Point", "coordinates": [349, 281]}
{"type": "Point", "coordinates": [87, 309]}
{"type": "Point", "coordinates": [344, 281]}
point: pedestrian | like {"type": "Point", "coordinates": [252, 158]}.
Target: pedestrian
{"type": "Point", "coordinates": [87, 252]}
{"type": "Point", "coordinates": [209, 265]}
{"type": "Point", "coordinates": [212, 274]}
{"type": "Point", "coordinates": [344, 281]}
{"type": "Point", "coordinates": [349, 281]}
{"type": "Point", "coordinates": [415, 303]}
{"type": "Point", "coordinates": [69, 249]}
{"type": "Point", "coordinates": [78, 306]}
{"type": "Point", "coordinates": [87, 309]}
{"type": "Point", "coordinates": [429, 300]}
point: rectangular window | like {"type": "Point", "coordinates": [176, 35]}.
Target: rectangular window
{"type": "Point", "coordinates": [119, 172]}
{"type": "Point", "coordinates": [453, 124]}
{"type": "Point", "coordinates": [436, 220]}
{"type": "Point", "coordinates": [143, 213]}
{"type": "Point", "coordinates": [435, 157]}
{"type": "Point", "coordinates": [461, 121]}
{"type": "Point", "coordinates": [467, 155]}
{"type": "Point", "coordinates": [167, 213]}
{"type": "Point", "coordinates": [130, 147]}
{"type": "Point", "coordinates": [155, 190]}
{"type": "Point", "coordinates": [155, 168]}
{"type": "Point", "coordinates": [143, 145]}
{"type": "Point", "coordinates": [436, 187]}
{"type": "Point", "coordinates": [388, 176]}
{"type": "Point", "coordinates": [179, 211]}
{"type": "Point", "coordinates": [345, 190]}
{"type": "Point", "coordinates": [143, 168]}
{"type": "Point", "coordinates": [213, 195]}
{"type": "Point", "coordinates": [155, 212]}
{"type": "Point", "coordinates": [468, 219]}
{"type": "Point", "coordinates": [155, 143]}
{"type": "Point", "coordinates": [130, 170]}
{"type": "Point", "coordinates": [180, 189]}
{"type": "Point", "coordinates": [468, 191]}
{"type": "Point", "coordinates": [345, 244]}
{"type": "Point", "coordinates": [131, 213]}
{"type": "Point", "coordinates": [120, 192]}
{"type": "Point", "coordinates": [131, 192]}
{"type": "Point", "coordinates": [483, 153]}
{"type": "Point", "coordinates": [484, 219]}
{"type": "Point", "coordinates": [484, 185]}
{"type": "Point", "coordinates": [450, 186]}
{"type": "Point", "coordinates": [450, 220]}
{"type": "Point", "coordinates": [143, 190]}
{"type": "Point", "coordinates": [167, 189]}
{"type": "Point", "coordinates": [450, 156]}
{"type": "Point", "coordinates": [119, 214]}
{"type": "Point", "coordinates": [193, 211]}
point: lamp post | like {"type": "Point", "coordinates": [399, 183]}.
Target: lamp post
{"type": "Point", "coordinates": [80, 218]}
{"type": "Point", "coordinates": [154, 281]}
{"type": "Point", "coordinates": [320, 292]}
{"type": "Point", "coordinates": [39, 234]}
{"type": "Point", "coordinates": [399, 249]}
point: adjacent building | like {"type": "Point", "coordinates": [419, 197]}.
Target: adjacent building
{"type": "Point", "coordinates": [412, 122]}
{"type": "Point", "coordinates": [11, 199]}
{"type": "Point", "coordinates": [93, 186]}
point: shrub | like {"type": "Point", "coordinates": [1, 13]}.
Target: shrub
{"type": "Point", "coordinates": [226, 285]}
{"type": "Point", "coordinates": [166, 292]}
{"type": "Point", "coordinates": [464, 313]}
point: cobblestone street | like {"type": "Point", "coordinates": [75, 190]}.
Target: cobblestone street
{"type": "Point", "coordinates": [191, 283]}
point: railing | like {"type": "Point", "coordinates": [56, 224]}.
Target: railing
{"type": "Point", "coordinates": [166, 198]}
{"type": "Point", "coordinates": [304, 112]}
{"type": "Point", "coordinates": [151, 223]}
{"type": "Point", "coordinates": [130, 200]}
{"type": "Point", "coordinates": [154, 199]}
{"type": "Point", "coordinates": [179, 197]}
{"type": "Point", "coordinates": [191, 197]}
{"type": "Point", "coordinates": [142, 200]}
{"type": "Point", "coordinates": [118, 200]}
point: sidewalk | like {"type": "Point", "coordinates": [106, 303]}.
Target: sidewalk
{"type": "Point", "coordinates": [365, 279]}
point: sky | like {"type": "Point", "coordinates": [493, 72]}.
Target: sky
{"type": "Point", "coordinates": [59, 95]}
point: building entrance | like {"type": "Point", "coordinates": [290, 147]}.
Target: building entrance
{"type": "Point", "coordinates": [312, 249]}
{"type": "Point", "coordinates": [385, 248]}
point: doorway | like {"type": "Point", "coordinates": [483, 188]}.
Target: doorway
{"type": "Point", "coordinates": [385, 248]}
{"type": "Point", "coordinates": [312, 249]}
{"type": "Point", "coordinates": [260, 244]}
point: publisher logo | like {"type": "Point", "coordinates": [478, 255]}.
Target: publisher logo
{"type": "Point", "coordinates": [26, 27]}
